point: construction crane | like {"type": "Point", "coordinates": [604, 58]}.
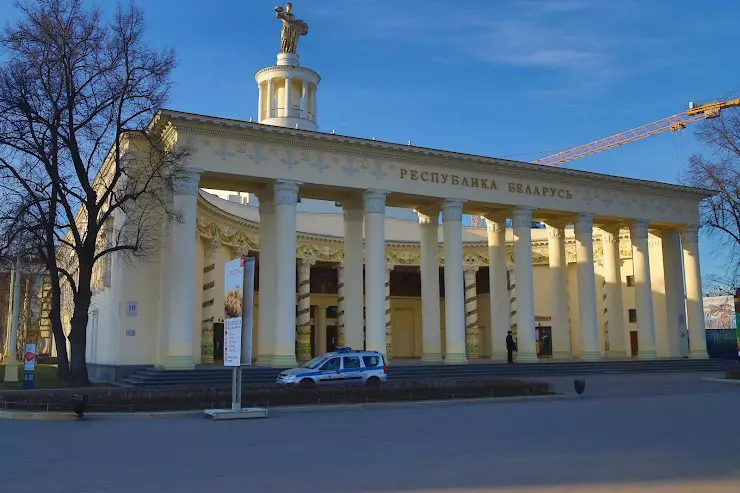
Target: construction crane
{"type": "Point", "coordinates": [673, 123]}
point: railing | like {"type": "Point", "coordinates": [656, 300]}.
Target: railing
{"type": "Point", "coordinates": [294, 112]}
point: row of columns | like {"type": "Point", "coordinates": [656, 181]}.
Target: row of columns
{"type": "Point", "coordinates": [269, 93]}
{"type": "Point", "coordinates": [277, 347]}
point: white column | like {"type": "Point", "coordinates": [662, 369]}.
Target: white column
{"type": "Point", "coordinates": [304, 100]}
{"type": "Point", "coordinates": [340, 304]}
{"type": "Point", "coordinates": [266, 301]}
{"type": "Point", "coordinates": [270, 98]}
{"type": "Point", "coordinates": [526, 340]}
{"type": "Point", "coordinates": [558, 291]}
{"type": "Point", "coordinates": [303, 318]}
{"type": "Point", "coordinates": [260, 101]}
{"type": "Point", "coordinates": [388, 323]}
{"type": "Point", "coordinates": [499, 291]}
{"type": "Point", "coordinates": [286, 197]}
{"type": "Point", "coordinates": [694, 302]}
{"type": "Point", "coordinates": [454, 285]}
{"type": "Point", "coordinates": [288, 95]}
{"type": "Point", "coordinates": [353, 258]}
{"type": "Point", "coordinates": [321, 330]}
{"type": "Point", "coordinates": [182, 278]}
{"type": "Point", "coordinates": [643, 291]}
{"type": "Point", "coordinates": [472, 341]}
{"type": "Point", "coordinates": [674, 292]}
{"type": "Point", "coordinates": [588, 316]}
{"type": "Point", "coordinates": [431, 335]}
{"type": "Point", "coordinates": [11, 365]}
{"type": "Point", "coordinates": [613, 280]}
{"type": "Point", "coordinates": [374, 208]}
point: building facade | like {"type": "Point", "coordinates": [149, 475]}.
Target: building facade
{"type": "Point", "coordinates": [361, 243]}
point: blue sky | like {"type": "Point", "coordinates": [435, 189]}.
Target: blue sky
{"type": "Point", "coordinates": [497, 78]}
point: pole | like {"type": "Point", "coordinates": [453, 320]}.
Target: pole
{"type": "Point", "coordinates": [236, 389]}
{"type": "Point", "coordinates": [11, 367]}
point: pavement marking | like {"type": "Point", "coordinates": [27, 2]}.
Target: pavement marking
{"type": "Point", "coordinates": [413, 404]}
{"type": "Point", "coordinates": [722, 380]}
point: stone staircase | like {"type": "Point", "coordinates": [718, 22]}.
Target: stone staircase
{"type": "Point", "coordinates": [219, 376]}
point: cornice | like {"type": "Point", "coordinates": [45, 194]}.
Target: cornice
{"type": "Point", "coordinates": [189, 122]}
{"type": "Point", "coordinates": [298, 68]}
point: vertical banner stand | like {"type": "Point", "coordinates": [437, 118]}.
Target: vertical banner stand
{"type": "Point", "coordinates": [238, 315]}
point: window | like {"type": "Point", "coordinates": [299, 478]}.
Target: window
{"type": "Point", "coordinates": [332, 364]}
{"type": "Point", "coordinates": [630, 280]}
{"type": "Point", "coordinates": [371, 361]}
{"type": "Point", "coordinates": [633, 315]}
{"type": "Point", "coordinates": [351, 362]}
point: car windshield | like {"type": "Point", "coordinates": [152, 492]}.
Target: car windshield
{"type": "Point", "coordinates": [315, 362]}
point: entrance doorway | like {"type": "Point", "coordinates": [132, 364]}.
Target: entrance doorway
{"type": "Point", "coordinates": [218, 341]}
{"type": "Point", "coordinates": [544, 342]}
{"type": "Point", "coordinates": [332, 337]}
{"type": "Point", "coordinates": [633, 344]}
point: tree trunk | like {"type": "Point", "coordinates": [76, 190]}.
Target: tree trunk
{"type": "Point", "coordinates": [78, 333]}
{"type": "Point", "coordinates": [57, 329]}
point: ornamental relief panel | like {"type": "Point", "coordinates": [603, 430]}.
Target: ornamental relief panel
{"type": "Point", "coordinates": [246, 237]}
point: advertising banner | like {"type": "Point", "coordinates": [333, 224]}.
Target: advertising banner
{"type": "Point", "coordinates": [239, 291]}
{"type": "Point", "coordinates": [29, 366]}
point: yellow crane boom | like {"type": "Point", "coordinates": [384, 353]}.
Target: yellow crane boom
{"type": "Point", "coordinates": [674, 123]}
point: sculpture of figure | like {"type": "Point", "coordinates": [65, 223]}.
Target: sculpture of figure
{"type": "Point", "coordinates": [292, 28]}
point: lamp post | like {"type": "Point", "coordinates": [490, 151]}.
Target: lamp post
{"type": "Point", "coordinates": [11, 366]}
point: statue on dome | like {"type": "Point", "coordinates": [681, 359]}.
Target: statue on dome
{"type": "Point", "coordinates": [292, 28]}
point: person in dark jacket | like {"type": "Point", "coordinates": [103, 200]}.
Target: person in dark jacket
{"type": "Point", "coordinates": [510, 347]}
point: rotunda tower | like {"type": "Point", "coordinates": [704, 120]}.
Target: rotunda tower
{"type": "Point", "coordinates": [287, 91]}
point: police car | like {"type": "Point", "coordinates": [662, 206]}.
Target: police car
{"type": "Point", "coordinates": [343, 367]}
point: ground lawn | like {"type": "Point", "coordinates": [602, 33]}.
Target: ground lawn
{"type": "Point", "coordinates": [45, 377]}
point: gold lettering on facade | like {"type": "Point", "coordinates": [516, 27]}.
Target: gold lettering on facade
{"type": "Point", "coordinates": [489, 183]}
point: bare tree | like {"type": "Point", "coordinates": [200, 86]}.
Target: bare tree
{"type": "Point", "coordinates": [84, 177]}
{"type": "Point", "coordinates": [719, 171]}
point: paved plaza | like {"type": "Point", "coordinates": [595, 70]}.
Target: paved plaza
{"type": "Point", "coordinates": [655, 433]}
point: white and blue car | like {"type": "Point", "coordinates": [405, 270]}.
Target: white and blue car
{"type": "Point", "coordinates": [343, 367]}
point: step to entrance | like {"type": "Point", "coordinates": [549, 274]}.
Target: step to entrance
{"type": "Point", "coordinates": [258, 375]}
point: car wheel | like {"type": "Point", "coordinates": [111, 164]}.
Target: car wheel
{"type": "Point", "coordinates": [307, 383]}
{"type": "Point", "coordinates": [373, 382]}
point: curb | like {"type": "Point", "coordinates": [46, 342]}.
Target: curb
{"type": "Point", "coordinates": [413, 404]}
{"type": "Point", "coordinates": [68, 416]}
{"type": "Point", "coordinates": [722, 380]}
{"type": "Point", "coordinates": [65, 416]}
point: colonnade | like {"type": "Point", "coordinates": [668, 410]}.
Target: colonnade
{"type": "Point", "coordinates": [289, 335]}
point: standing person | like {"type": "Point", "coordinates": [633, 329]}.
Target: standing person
{"type": "Point", "coordinates": [510, 347]}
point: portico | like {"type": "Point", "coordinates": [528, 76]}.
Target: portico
{"type": "Point", "coordinates": [281, 166]}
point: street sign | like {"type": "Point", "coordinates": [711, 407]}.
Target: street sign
{"type": "Point", "coordinates": [132, 308]}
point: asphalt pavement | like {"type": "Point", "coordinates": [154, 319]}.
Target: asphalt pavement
{"type": "Point", "coordinates": [625, 434]}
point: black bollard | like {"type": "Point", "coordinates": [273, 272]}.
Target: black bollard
{"type": "Point", "coordinates": [79, 404]}
{"type": "Point", "coordinates": [580, 385]}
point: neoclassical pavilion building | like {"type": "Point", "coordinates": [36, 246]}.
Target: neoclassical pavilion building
{"type": "Point", "coordinates": [361, 243]}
